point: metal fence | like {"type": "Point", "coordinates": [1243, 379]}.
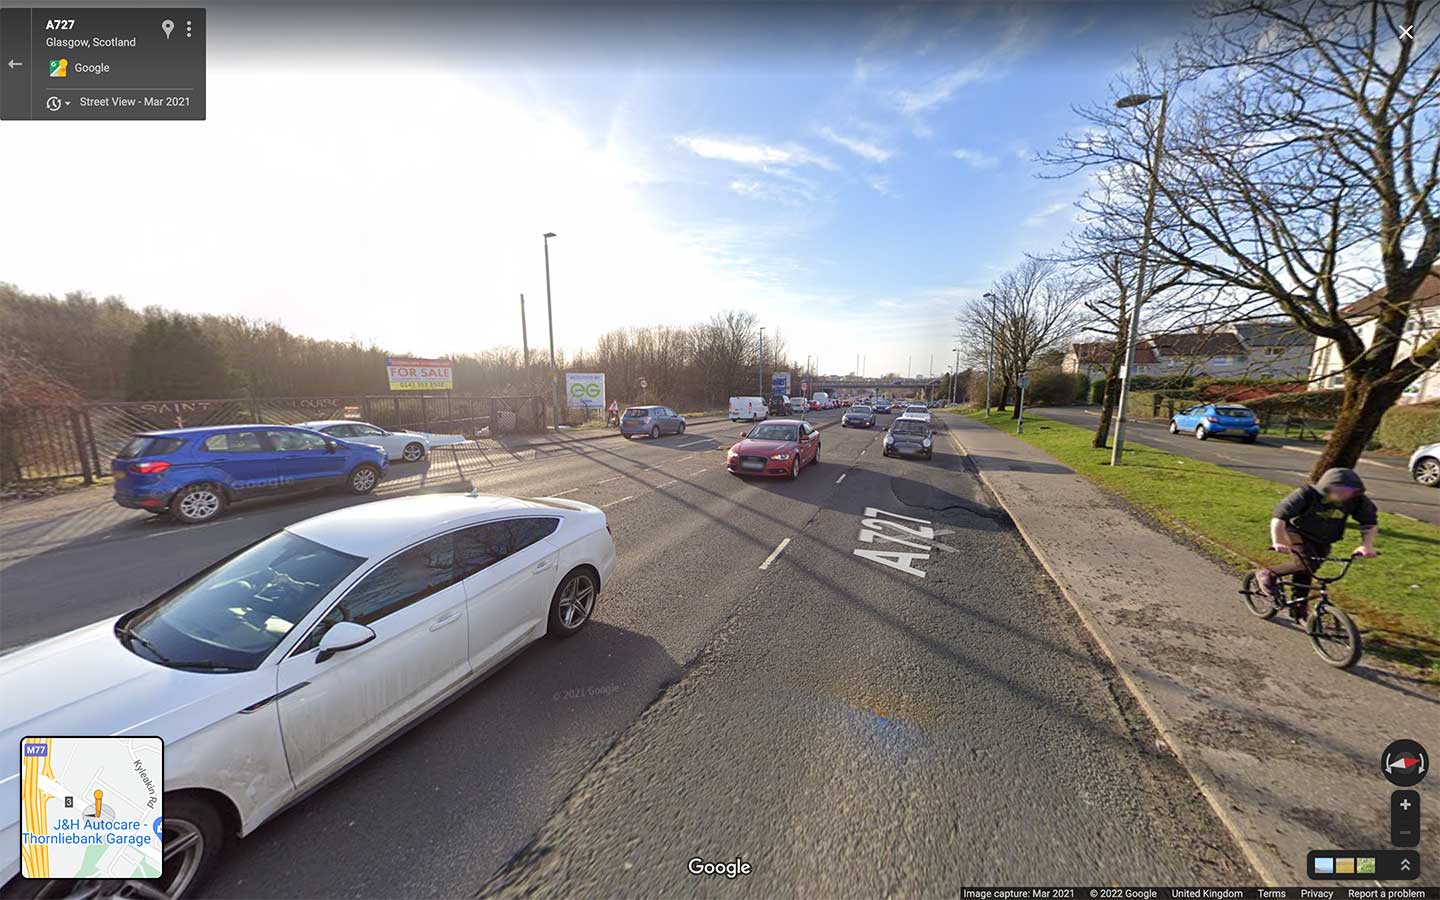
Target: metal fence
{"type": "Point", "coordinates": [46, 442]}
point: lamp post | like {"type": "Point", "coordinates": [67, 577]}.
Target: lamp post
{"type": "Point", "coordinates": [524, 335]}
{"type": "Point", "coordinates": [550, 314]}
{"type": "Point", "coordinates": [761, 372]}
{"type": "Point", "coordinates": [989, 347]}
{"type": "Point", "coordinates": [955, 376]}
{"type": "Point", "coordinates": [1133, 331]}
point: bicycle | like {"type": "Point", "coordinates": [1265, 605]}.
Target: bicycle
{"type": "Point", "coordinates": [1332, 632]}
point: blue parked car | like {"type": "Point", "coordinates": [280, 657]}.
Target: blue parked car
{"type": "Point", "coordinates": [1211, 419]}
{"type": "Point", "coordinates": [194, 473]}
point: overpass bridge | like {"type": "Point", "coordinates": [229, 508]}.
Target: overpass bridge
{"type": "Point", "coordinates": [852, 384]}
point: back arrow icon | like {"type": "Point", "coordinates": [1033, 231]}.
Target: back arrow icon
{"type": "Point", "coordinates": [13, 63]}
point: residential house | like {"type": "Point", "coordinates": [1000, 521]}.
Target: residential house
{"type": "Point", "coordinates": [1214, 354]}
{"type": "Point", "coordinates": [1278, 349]}
{"type": "Point", "coordinates": [1326, 366]}
{"type": "Point", "coordinates": [1093, 358]}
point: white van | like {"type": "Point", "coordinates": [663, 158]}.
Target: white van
{"type": "Point", "coordinates": [747, 409]}
{"type": "Point", "coordinates": [799, 406]}
{"type": "Point", "coordinates": [821, 398]}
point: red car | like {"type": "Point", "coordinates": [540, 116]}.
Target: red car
{"type": "Point", "coordinates": [775, 447]}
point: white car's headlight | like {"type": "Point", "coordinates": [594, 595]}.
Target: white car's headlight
{"type": "Point", "coordinates": [781, 456]}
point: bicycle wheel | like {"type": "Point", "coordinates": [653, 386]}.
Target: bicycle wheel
{"type": "Point", "coordinates": [1335, 636]}
{"type": "Point", "coordinates": [1256, 600]}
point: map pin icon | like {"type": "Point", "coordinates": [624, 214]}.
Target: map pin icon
{"type": "Point", "coordinates": [167, 26]}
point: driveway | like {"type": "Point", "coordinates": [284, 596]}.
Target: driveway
{"type": "Point", "coordinates": [1386, 480]}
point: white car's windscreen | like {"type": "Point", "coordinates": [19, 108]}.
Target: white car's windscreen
{"type": "Point", "coordinates": [233, 614]}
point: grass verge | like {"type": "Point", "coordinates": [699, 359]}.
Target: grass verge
{"type": "Point", "coordinates": [1395, 599]}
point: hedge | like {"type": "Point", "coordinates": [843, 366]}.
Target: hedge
{"type": "Point", "coordinates": [1410, 426]}
{"type": "Point", "coordinates": [1056, 387]}
{"type": "Point", "coordinates": [1309, 405]}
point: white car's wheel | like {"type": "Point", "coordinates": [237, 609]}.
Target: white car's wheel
{"type": "Point", "coordinates": [1427, 471]}
{"type": "Point", "coordinates": [573, 603]}
{"type": "Point", "coordinates": [413, 451]}
{"type": "Point", "coordinates": [1200, 433]}
{"type": "Point", "coordinates": [194, 841]}
{"type": "Point", "coordinates": [1174, 428]}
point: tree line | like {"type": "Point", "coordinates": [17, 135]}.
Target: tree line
{"type": "Point", "coordinates": [78, 347]}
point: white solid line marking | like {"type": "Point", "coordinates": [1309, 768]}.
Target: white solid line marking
{"type": "Point", "coordinates": [862, 452]}
{"type": "Point", "coordinates": [693, 443]}
{"type": "Point", "coordinates": [563, 493]}
{"type": "Point", "coordinates": [608, 480]}
{"type": "Point", "coordinates": [667, 484]}
{"type": "Point", "coordinates": [842, 477]}
{"type": "Point", "coordinates": [697, 472]}
{"type": "Point", "coordinates": [617, 502]}
{"type": "Point", "coordinates": [777, 551]}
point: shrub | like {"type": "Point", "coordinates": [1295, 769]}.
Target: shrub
{"type": "Point", "coordinates": [1097, 392]}
{"type": "Point", "coordinates": [1410, 426]}
{"type": "Point", "coordinates": [1055, 387]}
{"type": "Point", "coordinates": [1307, 405]}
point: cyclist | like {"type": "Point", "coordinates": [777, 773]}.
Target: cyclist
{"type": "Point", "coordinates": [1306, 523]}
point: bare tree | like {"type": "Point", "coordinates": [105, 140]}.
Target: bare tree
{"type": "Point", "coordinates": [1301, 171]}
{"type": "Point", "coordinates": [1033, 312]}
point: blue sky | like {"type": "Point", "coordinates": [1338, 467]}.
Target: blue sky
{"type": "Point", "coordinates": [849, 173]}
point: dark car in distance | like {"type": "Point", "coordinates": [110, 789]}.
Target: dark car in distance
{"type": "Point", "coordinates": [909, 436]}
{"type": "Point", "coordinates": [194, 473]}
{"type": "Point", "coordinates": [860, 415]}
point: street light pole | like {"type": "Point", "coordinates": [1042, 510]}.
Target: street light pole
{"type": "Point", "coordinates": [1132, 333]}
{"type": "Point", "coordinates": [989, 346]}
{"type": "Point", "coordinates": [524, 333]}
{"type": "Point", "coordinates": [955, 376]}
{"type": "Point", "coordinates": [761, 372]}
{"type": "Point", "coordinates": [550, 314]}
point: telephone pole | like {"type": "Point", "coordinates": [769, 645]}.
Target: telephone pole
{"type": "Point", "coordinates": [524, 334]}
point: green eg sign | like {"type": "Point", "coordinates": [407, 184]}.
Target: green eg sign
{"type": "Point", "coordinates": [585, 390]}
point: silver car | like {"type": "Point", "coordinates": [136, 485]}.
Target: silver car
{"type": "Point", "coordinates": [1425, 465]}
{"type": "Point", "coordinates": [651, 420]}
{"type": "Point", "coordinates": [910, 436]}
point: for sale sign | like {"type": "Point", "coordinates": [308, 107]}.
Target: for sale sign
{"type": "Point", "coordinates": [420, 374]}
{"type": "Point", "coordinates": [586, 390]}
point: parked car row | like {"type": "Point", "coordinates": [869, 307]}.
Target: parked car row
{"type": "Point", "coordinates": [193, 474]}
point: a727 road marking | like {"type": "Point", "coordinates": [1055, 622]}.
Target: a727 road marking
{"type": "Point", "coordinates": [873, 530]}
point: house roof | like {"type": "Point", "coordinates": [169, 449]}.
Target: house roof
{"type": "Point", "coordinates": [1273, 334]}
{"type": "Point", "coordinates": [1428, 294]}
{"type": "Point", "coordinates": [1198, 345]}
{"type": "Point", "coordinates": [1097, 353]}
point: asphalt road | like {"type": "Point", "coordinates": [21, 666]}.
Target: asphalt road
{"type": "Point", "coordinates": [1386, 480]}
{"type": "Point", "coordinates": [750, 687]}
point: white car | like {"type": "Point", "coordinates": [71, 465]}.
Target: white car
{"type": "Point", "coordinates": [406, 446]}
{"type": "Point", "coordinates": [1425, 465]}
{"type": "Point", "coordinates": [285, 662]}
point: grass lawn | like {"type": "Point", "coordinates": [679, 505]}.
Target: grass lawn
{"type": "Point", "coordinates": [1395, 599]}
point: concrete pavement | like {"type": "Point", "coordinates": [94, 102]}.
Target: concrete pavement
{"type": "Point", "coordinates": [1385, 479]}
{"type": "Point", "coordinates": [1285, 748]}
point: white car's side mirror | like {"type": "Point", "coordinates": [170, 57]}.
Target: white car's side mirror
{"type": "Point", "coordinates": [343, 636]}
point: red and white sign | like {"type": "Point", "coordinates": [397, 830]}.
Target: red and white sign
{"type": "Point", "coordinates": [420, 374]}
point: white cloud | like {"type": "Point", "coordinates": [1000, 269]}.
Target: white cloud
{"type": "Point", "coordinates": [749, 153]}
{"type": "Point", "coordinates": [1039, 218]}
{"type": "Point", "coordinates": [938, 90]}
{"type": "Point", "coordinates": [975, 158]}
{"type": "Point", "coordinates": [861, 148]}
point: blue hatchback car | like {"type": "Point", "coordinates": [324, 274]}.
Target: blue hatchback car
{"type": "Point", "coordinates": [194, 473]}
{"type": "Point", "coordinates": [1211, 419]}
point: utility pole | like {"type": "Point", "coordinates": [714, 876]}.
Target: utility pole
{"type": "Point", "coordinates": [1133, 335]}
{"type": "Point", "coordinates": [955, 376]}
{"type": "Point", "coordinates": [524, 335]}
{"type": "Point", "coordinates": [989, 346]}
{"type": "Point", "coordinates": [761, 373]}
{"type": "Point", "coordinates": [550, 314]}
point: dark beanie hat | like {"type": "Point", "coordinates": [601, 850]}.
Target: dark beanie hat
{"type": "Point", "coordinates": [1339, 478]}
